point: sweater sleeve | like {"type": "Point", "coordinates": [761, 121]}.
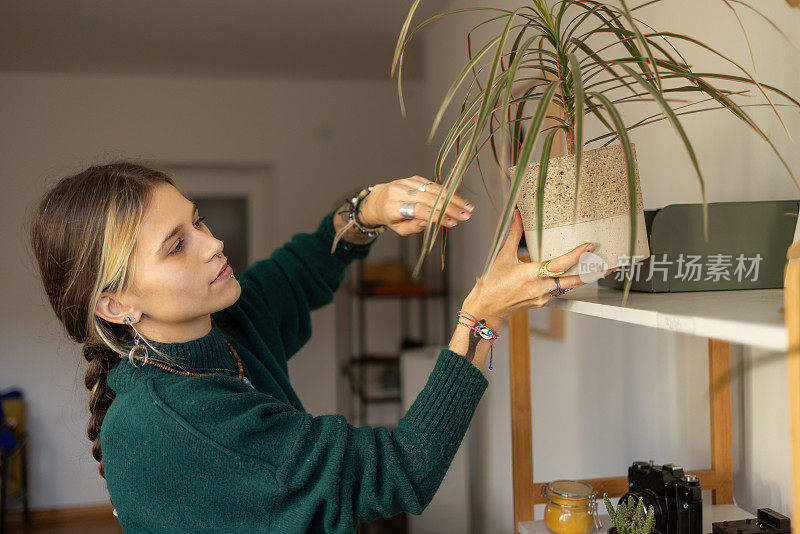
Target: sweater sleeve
{"type": "Point", "coordinates": [298, 277]}
{"type": "Point", "coordinates": [345, 474]}
{"type": "Point", "coordinates": [330, 475]}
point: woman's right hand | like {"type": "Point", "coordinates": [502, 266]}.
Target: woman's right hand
{"type": "Point", "coordinates": [512, 286]}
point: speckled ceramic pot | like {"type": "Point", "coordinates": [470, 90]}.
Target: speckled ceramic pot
{"type": "Point", "coordinates": [603, 216]}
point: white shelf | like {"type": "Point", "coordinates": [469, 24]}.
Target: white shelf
{"type": "Point", "coordinates": [711, 514]}
{"type": "Point", "coordinates": [749, 317]}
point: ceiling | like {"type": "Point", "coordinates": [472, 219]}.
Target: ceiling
{"type": "Point", "coordinates": [329, 39]}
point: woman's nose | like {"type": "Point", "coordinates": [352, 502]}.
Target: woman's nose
{"type": "Point", "coordinates": [216, 247]}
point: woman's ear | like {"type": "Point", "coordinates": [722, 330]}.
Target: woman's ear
{"type": "Point", "coordinates": [113, 311]}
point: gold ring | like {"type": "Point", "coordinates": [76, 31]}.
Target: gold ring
{"type": "Point", "coordinates": [544, 272]}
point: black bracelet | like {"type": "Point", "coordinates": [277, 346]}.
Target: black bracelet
{"type": "Point", "coordinates": [351, 217]}
{"type": "Point", "coordinates": [354, 210]}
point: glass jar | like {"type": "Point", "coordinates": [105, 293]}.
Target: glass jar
{"type": "Point", "coordinates": [571, 507]}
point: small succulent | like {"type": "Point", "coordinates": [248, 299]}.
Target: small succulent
{"type": "Point", "coordinates": [630, 518]}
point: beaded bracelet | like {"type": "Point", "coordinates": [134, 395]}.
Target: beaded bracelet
{"type": "Point", "coordinates": [355, 208]}
{"type": "Point", "coordinates": [481, 329]}
{"type": "Point", "coordinates": [353, 212]}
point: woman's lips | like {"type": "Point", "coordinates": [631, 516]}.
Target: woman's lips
{"type": "Point", "coordinates": [226, 273]}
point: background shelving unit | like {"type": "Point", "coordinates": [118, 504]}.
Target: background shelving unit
{"type": "Point", "coordinates": [711, 514]}
{"type": "Point", "coordinates": [749, 317]}
{"type": "Point", "coordinates": [414, 330]}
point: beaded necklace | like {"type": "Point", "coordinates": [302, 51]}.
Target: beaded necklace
{"type": "Point", "coordinates": [165, 367]}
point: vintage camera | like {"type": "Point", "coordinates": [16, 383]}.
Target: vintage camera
{"type": "Point", "coordinates": [768, 522]}
{"type": "Point", "coordinates": [677, 499]}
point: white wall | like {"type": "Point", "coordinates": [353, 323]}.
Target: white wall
{"type": "Point", "coordinates": [321, 139]}
{"type": "Point", "coordinates": [586, 421]}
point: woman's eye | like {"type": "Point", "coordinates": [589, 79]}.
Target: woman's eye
{"type": "Point", "coordinates": [177, 248]}
{"type": "Point", "coordinates": [179, 245]}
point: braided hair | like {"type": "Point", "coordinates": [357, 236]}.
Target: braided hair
{"type": "Point", "coordinates": [83, 234]}
{"type": "Point", "coordinates": [101, 395]}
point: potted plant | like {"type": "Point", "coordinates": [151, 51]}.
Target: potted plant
{"type": "Point", "coordinates": [587, 59]}
{"type": "Point", "coordinates": [630, 518]}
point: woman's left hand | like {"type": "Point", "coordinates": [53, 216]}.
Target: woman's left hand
{"type": "Point", "coordinates": [382, 205]}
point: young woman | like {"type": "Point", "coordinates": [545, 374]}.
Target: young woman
{"type": "Point", "coordinates": [193, 417]}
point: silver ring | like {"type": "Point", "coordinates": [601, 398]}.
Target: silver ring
{"type": "Point", "coordinates": [422, 187]}
{"type": "Point", "coordinates": [219, 254]}
{"type": "Point", "coordinates": [407, 210]}
{"type": "Point", "coordinates": [558, 291]}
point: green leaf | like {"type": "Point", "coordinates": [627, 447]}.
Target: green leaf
{"type": "Point", "coordinates": [622, 518]}
{"type": "Point", "coordinates": [639, 515]}
{"type": "Point", "coordinates": [540, 182]}
{"type": "Point", "coordinates": [614, 25]}
{"type": "Point", "coordinates": [444, 245]}
{"type": "Point", "coordinates": [519, 118]}
{"type": "Point", "coordinates": [577, 79]}
{"type": "Point", "coordinates": [737, 111]}
{"type": "Point", "coordinates": [682, 134]}
{"type": "Point", "coordinates": [525, 154]}
{"type": "Point", "coordinates": [631, 169]}
{"type": "Point", "coordinates": [658, 117]}
{"type": "Point", "coordinates": [402, 37]}
{"type": "Point", "coordinates": [604, 64]}
{"type": "Point", "coordinates": [734, 78]}
{"type": "Point", "coordinates": [723, 56]}
{"type": "Point", "coordinates": [643, 42]}
{"type": "Point", "coordinates": [561, 10]}
{"type": "Point", "coordinates": [511, 74]}
{"type": "Point", "coordinates": [609, 508]}
{"type": "Point", "coordinates": [469, 42]}
{"type": "Point", "coordinates": [405, 38]}
{"type": "Point", "coordinates": [396, 59]}
{"type": "Point", "coordinates": [594, 109]}
{"type": "Point", "coordinates": [744, 33]}
{"type": "Point", "coordinates": [457, 83]}
{"type": "Point", "coordinates": [650, 522]}
{"type": "Point", "coordinates": [770, 22]}
{"type": "Point", "coordinates": [454, 180]}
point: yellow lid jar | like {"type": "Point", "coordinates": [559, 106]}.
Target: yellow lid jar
{"type": "Point", "coordinates": [571, 507]}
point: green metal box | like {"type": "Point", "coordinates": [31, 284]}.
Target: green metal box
{"type": "Point", "coordinates": [746, 248]}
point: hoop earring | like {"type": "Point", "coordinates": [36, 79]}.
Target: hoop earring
{"type": "Point", "coordinates": [137, 346]}
{"type": "Point", "coordinates": [137, 349]}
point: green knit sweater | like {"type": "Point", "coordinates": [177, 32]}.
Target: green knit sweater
{"type": "Point", "coordinates": [213, 454]}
